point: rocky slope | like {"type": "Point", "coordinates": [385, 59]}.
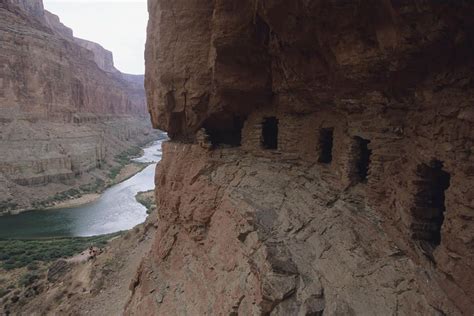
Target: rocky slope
{"type": "Point", "coordinates": [321, 158]}
{"type": "Point", "coordinates": [65, 111]}
{"type": "Point", "coordinates": [81, 285]}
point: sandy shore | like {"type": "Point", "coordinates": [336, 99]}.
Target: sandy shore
{"type": "Point", "coordinates": [126, 173]}
{"type": "Point", "coordinates": [83, 200]}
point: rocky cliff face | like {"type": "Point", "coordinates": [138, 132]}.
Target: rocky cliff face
{"type": "Point", "coordinates": [64, 109]}
{"type": "Point", "coordinates": [102, 57]}
{"type": "Point", "coordinates": [321, 158]}
{"type": "Point", "coordinates": [33, 8]}
{"type": "Point", "coordinates": [50, 77]}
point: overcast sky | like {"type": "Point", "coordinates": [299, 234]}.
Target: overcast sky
{"type": "Point", "coordinates": [118, 25]}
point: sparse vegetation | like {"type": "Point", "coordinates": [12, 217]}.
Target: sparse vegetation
{"type": "Point", "coordinates": [93, 187]}
{"type": "Point", "coordinates": [3, 292]}
{"type": "Point", "coordinates": [28, 278]}
{"type": "Point", "coordinates": [70, 194]}
{"type": "Point", "coordinates": [33, 266]}
{"type": "Point", "coordinates": [125, 156]}
{"type": "Point", "coordinates": [113, 173]}
{"type": "Point", "coordinates": [60, 196]}
{"type": "Point", "coordinates": [7, 205]}
{"type": "Point", "coordinates": [27, 253]}
{"type": "Point", "coordinates": [147, 199]}
{"type": "Point", "coordinates": [123, 159]}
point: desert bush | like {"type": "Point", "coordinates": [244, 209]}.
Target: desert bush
{"type": "Point", "coordinates": [28, 279]}
{"type": "Point", "coordinates": [22, 253]}
{"type": "Point", "coordinates": [33, 266]}
{"type": "Point", "coordinates": [113, 173]}
{"type": "Point", "coordinates": [3, 292]}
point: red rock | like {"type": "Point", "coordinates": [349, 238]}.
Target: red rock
{"type": "Point", "coordinates": [249, 230]}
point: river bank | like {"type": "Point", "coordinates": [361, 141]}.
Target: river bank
{"type": "Point", "coordinates": [78, 198]}
{"type": "Point", "coordinates": [147, 199]}
{"type": "Point", "coordinates": [126, 173]}
{"type": "Point", "coordinates": [86, 189]}
{"type": "Point", "coordinates": [104, 278]}
{"type": "Point", "coordinates": [94, 213]}
{"type": "Point", "coordinates": [32, 258]}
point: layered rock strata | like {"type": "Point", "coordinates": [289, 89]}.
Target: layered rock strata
{"type": "Point", "coordinates": [321, 158]}
{"type": "Point", "coordinates": [65, 111]}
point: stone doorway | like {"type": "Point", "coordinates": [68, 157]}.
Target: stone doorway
{"type": "Point", "coordinates": [362, 155]}
{"type": "Point", "coordinates": [270, 133]}
{"type": "Point", "coordinates": [326, 140]}
{"type": "Point", "coordinates": [429, 208]}
{"type": "Point", "coordinates": [227, 132]}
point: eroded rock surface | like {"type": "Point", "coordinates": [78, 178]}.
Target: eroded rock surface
{"type": "Point", "coordinates": [238, 234]}
{"type": "Point", "coordinates": [321, 158]}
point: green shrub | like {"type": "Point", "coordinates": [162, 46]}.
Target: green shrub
{"type": "Point", "coordinates": [92, 187]}
{"type": "Point", "coordinates": [33, 266]}
{"type": "Point", "coordinates": [3, 292]}
{"type": "Point", "coordinates": [28, 279]}
{"type": "Point", "coordinates": [127, 155]}
{"type": "Point", "coordinates": [147, 201]}
{"type": "Point", "coordinates": [123, 159]}
{"type": "Point", "coordinates": [113, 173]}
{"type": "Point", "coordinates": [25, 253]}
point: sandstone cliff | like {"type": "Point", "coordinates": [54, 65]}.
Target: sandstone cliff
{"type": "Point", "coordinates": [102, 57]}
{"type": "Point", "coordinates": [55, 24]}
{"type": "Point", "coordinates": [65, 111]}
{"type": "Point", "coordinates": [321, 158]}
{"type": "Point", "coordinates": [49, 77]}
{"type": "Point", "coordinates": [33, 8]}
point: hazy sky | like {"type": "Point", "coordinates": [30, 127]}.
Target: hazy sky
{"type": "Point", "coordinates": [118, 25]}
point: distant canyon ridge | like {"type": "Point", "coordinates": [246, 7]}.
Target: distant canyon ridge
{"type": "Point", "coordinates": [65, 110]}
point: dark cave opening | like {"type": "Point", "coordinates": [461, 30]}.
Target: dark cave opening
{"type": "Point", "coordinates": [326, 140]}
{"type": "Point", "coordinates": [362, 161]}
{"type": "Point", "coordinates": [270, 133]}
{"type": "Point", "coordinates": [228, 134]}
{"type": "Point", "coordinates": [262, 31]}
{"type": "Point", "coordinates": [428, 212]}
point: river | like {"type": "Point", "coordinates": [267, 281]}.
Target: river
{"type": "Point", "coordinates": [116, 209]}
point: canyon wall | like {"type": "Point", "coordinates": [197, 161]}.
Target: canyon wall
{"type": "Point", "coordinates": [49, 76]}
{"type": "Point", "coordinates": [65, 111]}
{"type": "Point", "coordinates": [320, 162]}
{"type": "Point", "coordinates": [102, 57]}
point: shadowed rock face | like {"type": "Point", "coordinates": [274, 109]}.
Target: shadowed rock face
{"type": "Point", "coordinates": [381, 225]}
{"type": "Point", "coordinates": [298, 57]}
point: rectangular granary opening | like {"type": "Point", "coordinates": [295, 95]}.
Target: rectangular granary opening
{"type": "Point", "coordinates": [362, 159]}
{"type": "Point", "coordinates": [270, 133]}
{"type": "Point", "coordinates": [326, 140]}
{"type": "Point", "coordinates": [429, 202]}
{"type": "Point", "coordinates": [223, 131]}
